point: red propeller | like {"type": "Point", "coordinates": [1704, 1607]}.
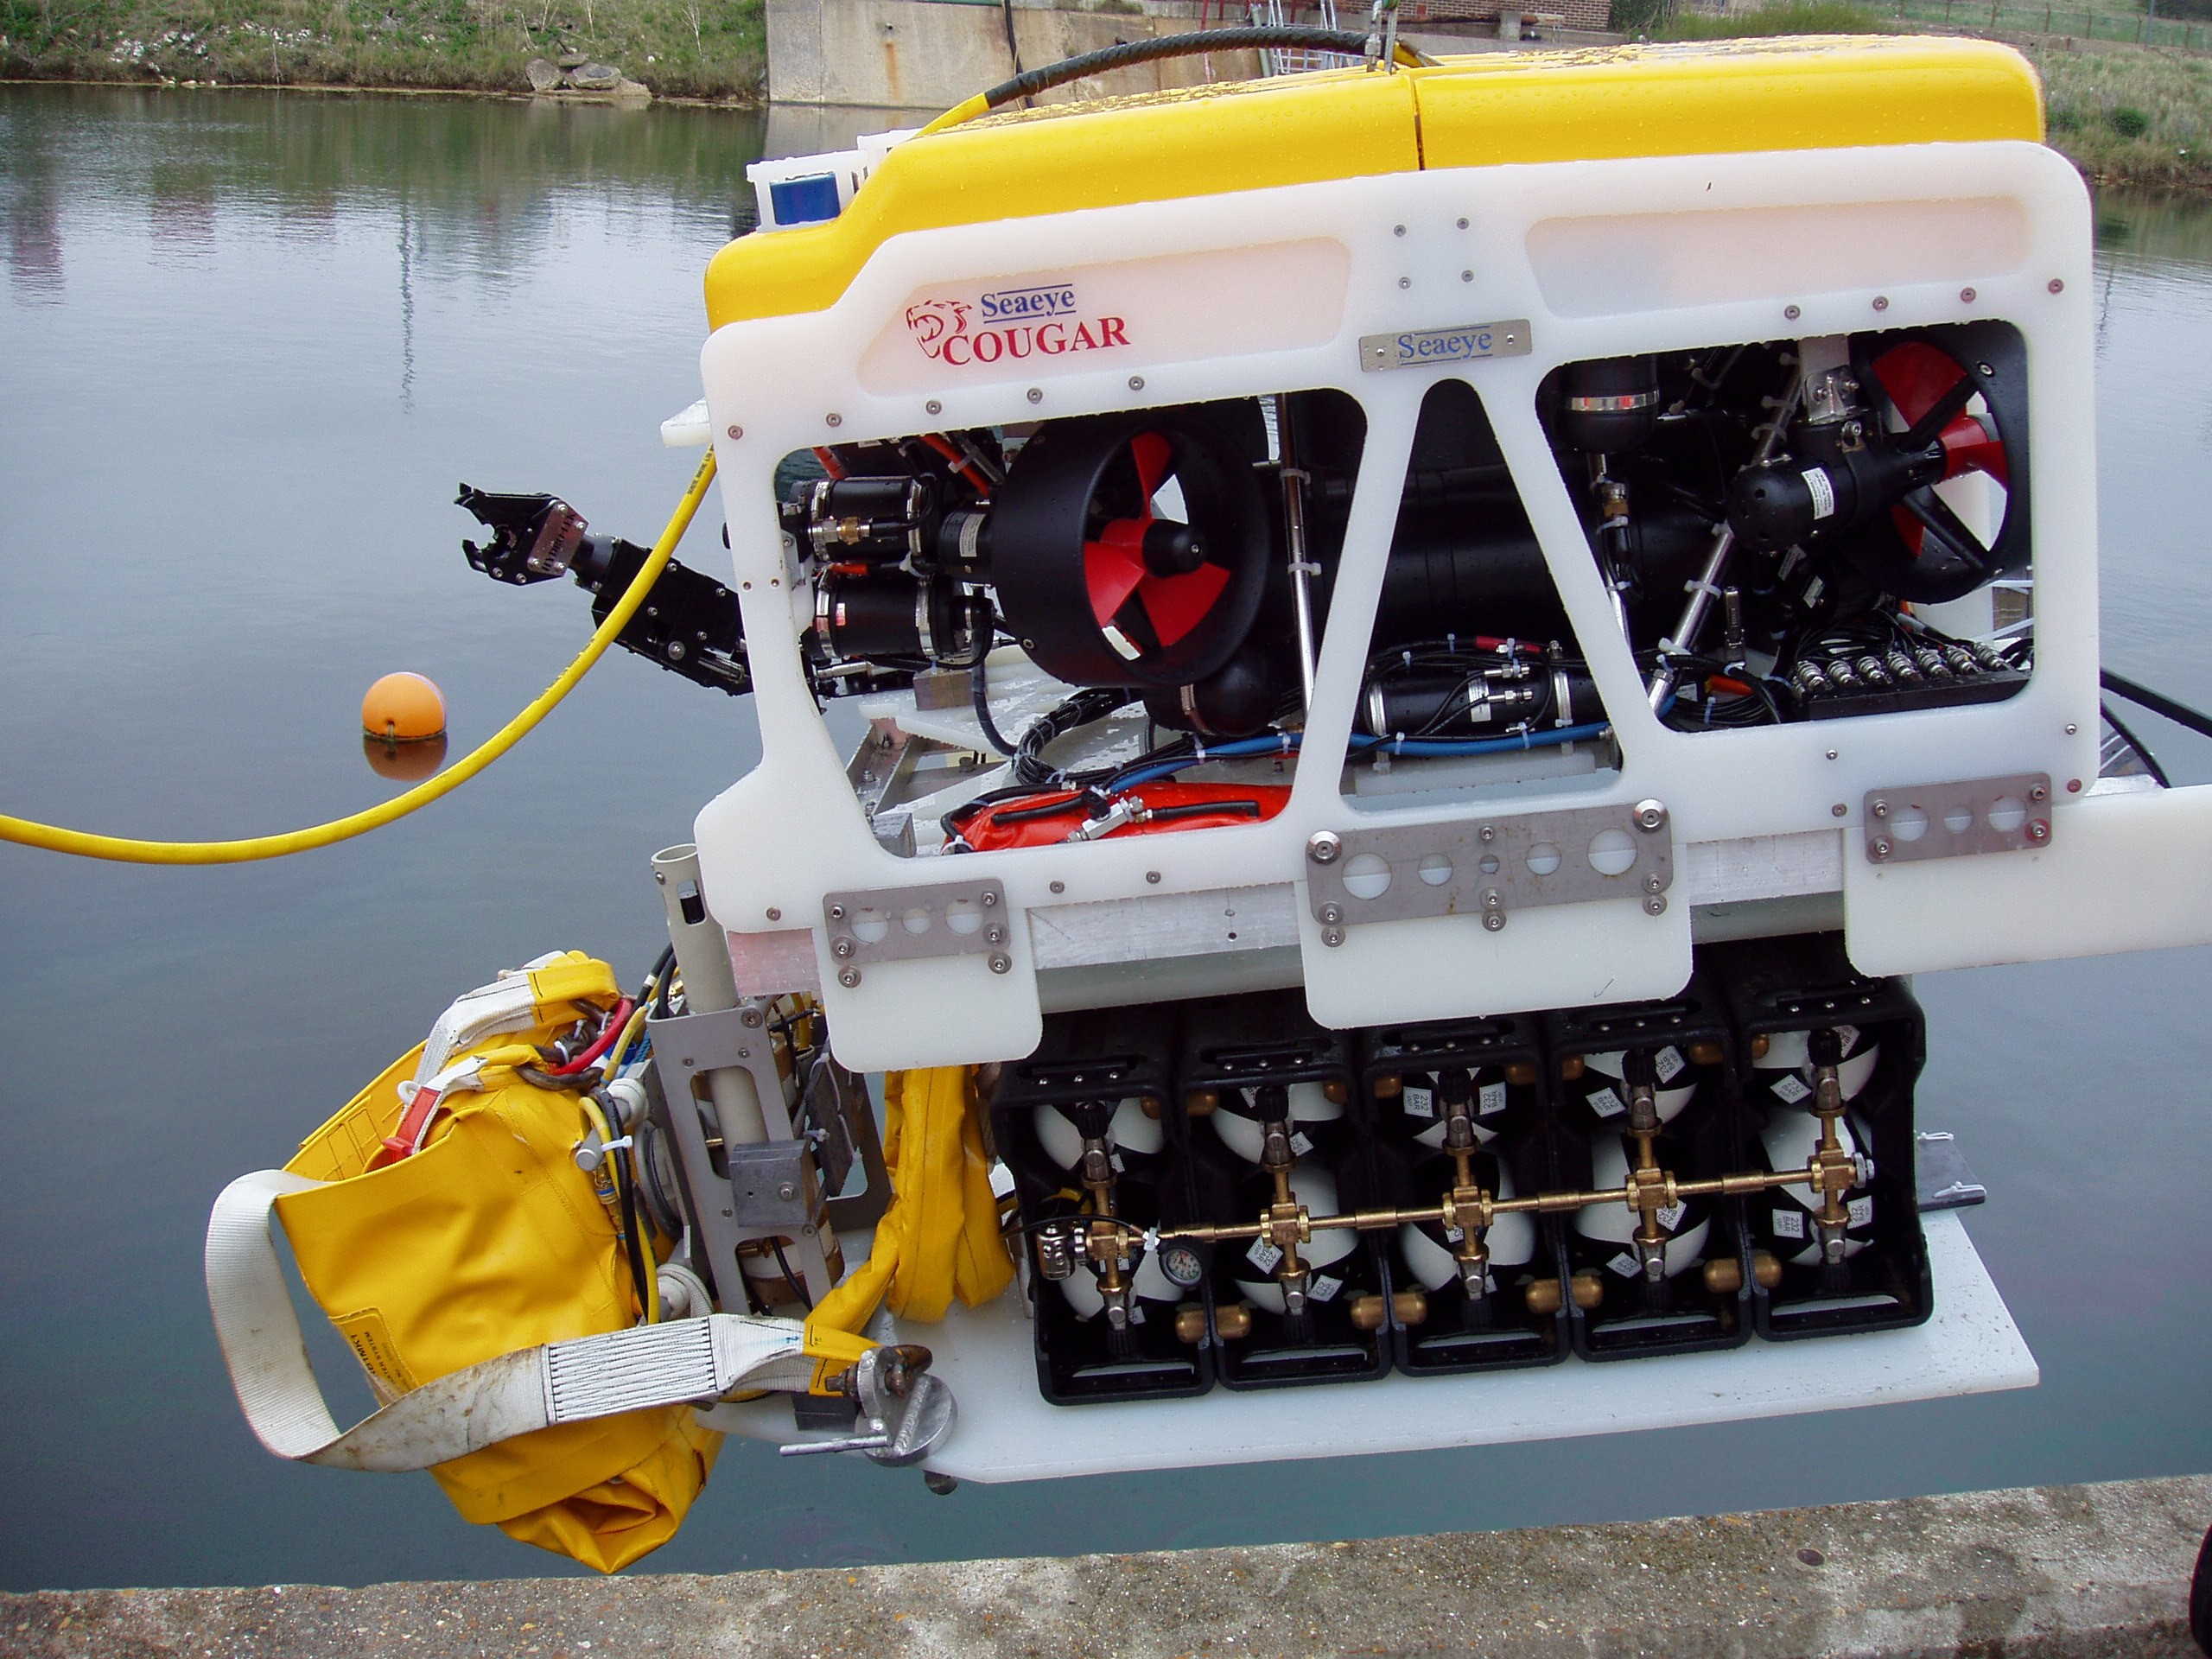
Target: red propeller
{"type": "Point", "coordinates": [1131, 556]}
{"type": "Point", "coordinates": [1922, 380]}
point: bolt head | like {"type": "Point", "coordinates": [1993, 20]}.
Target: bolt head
{"type": "Point", "coordinates": [1650, 816]}
{"type": "Point", "coordinates": [934, 407]}
{"type": "Point", "coordinates": [990, 900]}
{"type": "Point", "coordinates": [787, 1191]}
{"type": "Point", "coordinates": [1331, 914]}
{"type": "Point", "coordinates": [1878, 848]}
{"type": "Point", "coordinates": [1000, 962]}
{"type": "Point", "coordinates": [1494, 921]}
{"type": "Point", "coordinates": [1880, 809]}
{"type": "Point", "coordinates": [2038, 792]}
{"type": "Point", "coordinates": [2039, 829]}
{"type": "Point", "coordinates": [840, 947]}
{"type": "Point", "coordinates": [750, 1018]}
{"type": "Point", "coordinates": [1152, 877]}
{"type": "Point", "coordinates": [837, 913]}
{"type": "Point", "coordinates": [1965, 297]}
{"type": "Point", "coordinates": [1652, 882]}
{"type": "Point", "coordinates": [1655, 905]}
{"type": "Point", "coordinates": [1792, 313]}
{"type": "Point", "coordinates": [2057, 285]}
{"type": "Point", "coordinates": [775, 913]}
{"type": "Point", "coordinates": [1332, 937]}
{"type": "Point", "coordinates": [848, 977]}
{"type": "Point", "coordinates": [995, 936]}
{"type": "Point", "coordinates": [833, 419]}
{"type": "Point", "coordinates": [2071, 728]}
{"type": "Point", "coordinates": [735, 432]}
{"type": "Point", "coordinates": [1881, 301]}
{"type": "Point", "coordinates": [1839, 811]}
{"type": "Point", "coordinates": [1060, 886]}
{"type": "Point", "coordinates": [1136, 383]}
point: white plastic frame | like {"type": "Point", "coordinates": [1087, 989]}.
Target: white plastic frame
{"type": "Point", "coordinates": [1700, 250]}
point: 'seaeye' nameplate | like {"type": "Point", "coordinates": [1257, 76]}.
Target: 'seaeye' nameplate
{"type": "Point", "coordinates": [1424, 346]}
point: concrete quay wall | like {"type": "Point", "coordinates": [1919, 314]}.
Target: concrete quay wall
{"type": "Point", "coordinates": [2049, 1573]}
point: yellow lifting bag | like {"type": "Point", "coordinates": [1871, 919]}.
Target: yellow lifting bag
{"type": "Point", "coordinates": [486, 1241]}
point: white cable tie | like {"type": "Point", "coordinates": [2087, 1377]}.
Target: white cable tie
{"type": "Point", "coordinates": [1697, 585]}
{"type": "Point", "coordinates": [1152, 1238]}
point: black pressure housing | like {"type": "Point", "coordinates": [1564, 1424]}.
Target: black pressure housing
{"type": "Point", "coordinates": [1099, 1057]}
{"type": "Point", "coordinates": [1705, 1140]}
{"type": "Point", "coordinates": [1264, 1041]}
{"type": "Point", "coordinates": [1502, 1061]}
{"type": "Point", "coordinates": [1807, 983]}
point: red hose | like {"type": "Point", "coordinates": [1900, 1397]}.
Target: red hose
{"type": "Point", "coordinates": [620, 1018]}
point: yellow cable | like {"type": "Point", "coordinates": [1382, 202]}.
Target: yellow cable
{"type": "Point", "coordinates": [124, 850]}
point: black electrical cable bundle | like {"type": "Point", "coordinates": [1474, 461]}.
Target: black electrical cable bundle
{"type": "Point", "coordinates": [1346, 41]}
{"type": "Point", "coordinates": [1758, 708]}
{"type": "Point", "coordinates": [979, 694]}
{"type": "Point", "coordinates": [1079, 711]}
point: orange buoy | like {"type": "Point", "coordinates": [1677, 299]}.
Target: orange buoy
{"type": "Point", "coordinates": [403, 709]}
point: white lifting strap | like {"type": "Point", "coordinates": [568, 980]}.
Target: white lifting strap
{"type": "Point", "coordinates": [698, 1359]}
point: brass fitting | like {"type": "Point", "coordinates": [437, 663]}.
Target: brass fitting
{"type": "Point", "coordinates": [1570, 1068]}
{"type": "Point", "coordinates": [1588, 1290]}
{"type": "Point", "coordinates": [1521, 1072]}
{"type": "Point", "coordinates": [1286, 1225]}
{"type": "Point", "coordinates": [1411, 1306]}
{"type": "Point", "coordinates": [1766, 1269]}
{"type": "Point", "coordinates": [1389, 1086]}
{"type": "Point", "coordinates": [1191, 1324]}
{"type": "Point", "coordinates": [1543, 1297]}
{"type": "Point", "coordinates": [1709, 1053]}
{"type": "Point", "coordinates": [1235, 1324]}
{"type": "Point", "coordinates": [1200, 1103]}
{"type": "Point", "coordinates": [1724, 1275]}
{"type": "Point", "coordinates": [1366, 1311]}
{"type": "Point", "coordinates": [1150, 1106]}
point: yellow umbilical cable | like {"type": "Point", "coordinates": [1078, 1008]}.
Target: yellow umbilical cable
{"type": "Point", "coordinates": [122, 850]}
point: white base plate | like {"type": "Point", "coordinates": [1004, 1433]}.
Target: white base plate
{"type": "Point", "coordinates": [1007, 1431]}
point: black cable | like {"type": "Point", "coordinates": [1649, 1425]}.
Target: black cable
{"type": "Point", "coordinates": [2143, 697]}
{"type": "Point", "coordinates": [1349, 43]}
{"type": "Point", "coordinates": [798, 1284]}
{"type": "Point", "coordinates": [2142, 752]}
{"type": "Point", "coordinates": [633, 1246]}
{"type": "Point", "coordinates": [1012, 50]}
{"type": "Point", "coordinates": [979, 693]}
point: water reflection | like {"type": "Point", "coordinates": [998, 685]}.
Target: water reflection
{"type": "Point", "coordinates": [475, 198]}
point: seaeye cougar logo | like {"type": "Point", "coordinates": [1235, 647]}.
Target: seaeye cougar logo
{"type": "Point", "coordinates": [1027, 322]}
{"type": "Point", "coordinates": [934, 321]}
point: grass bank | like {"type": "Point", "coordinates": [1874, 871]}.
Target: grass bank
{"type": "Point", "coordinates": [2124, 114]}
{"type": "Point", "coordinates": [684, 48]}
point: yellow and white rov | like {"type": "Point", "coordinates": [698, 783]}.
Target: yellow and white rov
{"type": "Point", "coordinates": [1431, 642]}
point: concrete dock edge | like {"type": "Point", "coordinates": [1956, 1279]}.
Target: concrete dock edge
{"type": "Point", "coordinates": [2047, 1572]}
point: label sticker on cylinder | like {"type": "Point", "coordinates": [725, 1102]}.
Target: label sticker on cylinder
{"type": "Point", "coordinates": [1626, 1265]}
{"type": "Point", "coordinates": [1490, 1098]}
{"type": "Point", "coordinates": [1789, 1223]}
{"type": "Point", "coordinates": [1861, 1211]}
{"type": "Point", "coordinates": [1670, 1063]}
{"type": "Point", "coordinates": [1263, 1255]}
{"type": "Point", "coordinates": [1419, 1103]}
{"type": "Point", "coordinates": [1791, 1088]}
{"type": "Point", "coordinates": [1671, 1216]}
{"type": "Point", "coordinates": [1823, 492]}
{"type": "Point", "coordinates": [1323, 1287]}
{"type": "Point", "coordinates": [1606, 1104]}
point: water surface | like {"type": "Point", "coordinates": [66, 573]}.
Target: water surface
{"type": "Point", "coordinates": [249, 343]}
